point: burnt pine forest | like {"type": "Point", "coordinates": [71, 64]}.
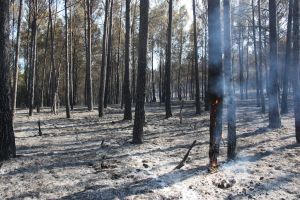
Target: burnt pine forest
{"type": "Point", "coordinates": [149, 99]}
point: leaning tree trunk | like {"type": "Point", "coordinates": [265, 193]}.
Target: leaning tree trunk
{"type": "Point", "coordinates": [7, 138]}
{"type": "Point", "coordinates": [126, 87]}
{"type": "Point", "coordinates": [296, 59]}
{"type": "Point", "coordinates": [67, 64]}
{"type": "Point", "coordinates": [168, 64]}
{"type": "Point", "coordinates": [141, 78]}
{"type": "Point", "coordinates": [274, 114]}
{"type": "Point", "coordinates": [231, 104]}
{"type": "Point", "coordinates": [198, 108]}
{"type": "Point", "coordinates": [103, 64]}
{"type": "Point", "coordinates": [288, 52]}
{"type": "Point", "coordinates": [215, 80]}
{"type": "Point", "coordinates": [16, 67]}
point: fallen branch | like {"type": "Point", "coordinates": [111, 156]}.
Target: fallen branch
{"type": "Point", "coordinates": [181, 164]}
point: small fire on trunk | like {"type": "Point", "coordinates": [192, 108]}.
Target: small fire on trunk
{"type": "Point", "coordinates": [213, 168]}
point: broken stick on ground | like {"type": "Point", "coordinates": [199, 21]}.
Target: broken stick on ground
{"type": "Point", "coordinates": [181, 164]}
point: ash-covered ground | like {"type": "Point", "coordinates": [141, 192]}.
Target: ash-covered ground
{"type": "Point", "coordinates": [91, 158]}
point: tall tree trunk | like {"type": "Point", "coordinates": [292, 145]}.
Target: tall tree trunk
{"type": "Point", "coordinates": [198, 108]}
{"type": "Point", "coordinates": [255, 56]}
{"type": "Point", "coordinates": [288, 52]}
{"type": "Point", "coordinates": [33, 59]}
{"type": "Point", "coordinates": [71, 60]}
{"type": "Point", "coordinates": [103, 64]}
{"type": "Point", "coordinates": [16, 67]}
{"type": "Point", "coordinates": [67, 64]}
{"type": "Point", "coordinates": [52, 65]}
{"type": "Point", "coordinates": [247, 63]}
{"type": "Point", "coordinates": [215, 80]}
{"type": "Point", "coordinates": [261, 88]}
{"type": "Point", "coordinates": [168, 64]}
{"type": "Point", "coordinates": [7, 138]}
{"type": "Point", "coordinates": [274, 114]}
{"type": "Point", "coordinates": [295, 77]}
{"type": "Point", "coordinates": [88, 59]}
{"type": "Point", "coordinates": [231, 104]}
{"type": "Point", "coordinates": [118, 60]}
{"type": "Point", "coordinates": [160, 77]}
{"type": "Point", "coordinates": [139, 119]}
{"type": "Point", "coordinates": [126, 90]}
{"type": "Point", "coordinates": [133, 76]}
{"type": "Point", "coordinates": [241, 59]}
{"type": "Point", "coordinates": [152, 73]}
{"type": "Point", "coordinates": [109, 53]}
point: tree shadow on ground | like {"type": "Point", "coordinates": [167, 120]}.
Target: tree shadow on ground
{"type": "Point", "coordinates": [139, 187]}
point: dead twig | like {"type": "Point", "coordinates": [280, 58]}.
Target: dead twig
{"type": "Point", "coordinates": [181, 164]}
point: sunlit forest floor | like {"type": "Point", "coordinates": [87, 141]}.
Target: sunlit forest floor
{"type": "Point", "coordinates": [90, 158]}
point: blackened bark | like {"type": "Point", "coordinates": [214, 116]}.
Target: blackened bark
{"type": "Point", "coordinates": [16, 66]}
{"type": "Point", "coordinates": [152, 74]}
{"type": "Point", "coordinates": [261, 88]}
{"type": "Point", "coordinates": [255, 56]}
{"type": "Point", "coordinates": [198, 108]}
{"type": "Point", "coordinates": [231, 103]}
{"type": "Point", "coordinates": [67, 64]}
{"type": "Point", "coordinates": [215, 80]}
{"type": "Point", "coordinates": [142, 64]}
{"type": "Point", "coordinates": [33, 55]}
{"type": "Point", "coordinates": [126, 90]}
{"type": "Point", "coordinates": [288, 58]}
{"type": "Point", "coordinates": [7, 138]}
{"type": "Point", "coordinates": [107, 99]}
{"type": "Point", "coordinates": [168, 64]}
{"type": "Point", "coordinates": [241, 60]}
{"type": "Point", "coordinates": [89, 82]}
{"type": "Point", "coordinates": [274, 114]}
{"type": "Point", "coordinates": [295, 77]}
{"type": "Point", "coordinates": [103, 64]}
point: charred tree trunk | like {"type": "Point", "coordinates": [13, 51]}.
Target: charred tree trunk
{"type": "Point", "coordinates": [71, 61]}
{"type": "Point", "coordinates": [152, 74]}
{"type": "Point", "coordinates": [139, 119]}
{"type": "Point", "coordinates": [168, 64]}
{"type": "Point", "coordinates": [108, 62]}
{"type": "Point", "coordinates": [33, 59]}
{"type": "Point", "coordinates": [89, 81]}
{"type": "Point", "coordinates": [126, 90]}
{"type": "Point", "coordinates": [288, 58]}
{"type": "Point", "coordinates": [274, 114]}
{"type": "Point", "coordinates": [295, 77]}
{"type": "Point", "coordinates": [261, 88]}
{"type": "Point", "coordinates": [7, 138]}
{"type": "Point", "coordinates": [241, 61]}
{"type": "Point", "coordinates": [231, 104]}
{"type": "Point", "coordinates": [215, 80]}
{"type": "Point", "coordinates": [103, 64]}
{"type": "Point", "coordinates": [16, 65]}
{"type": "Point", "coordinates": [255, 56]}
{"type": "Point", "coordinates": [198, 106]}
{"type": "Point", "coordinates": [67, 64]}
